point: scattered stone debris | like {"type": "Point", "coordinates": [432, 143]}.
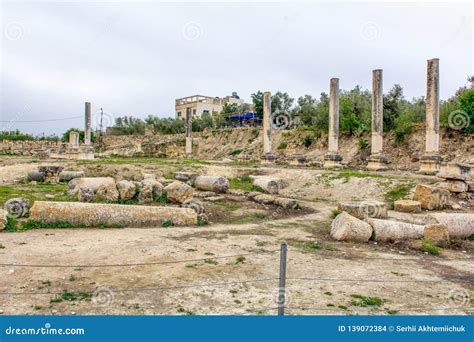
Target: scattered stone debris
{"type": "Point", "coordinates": [107, 193]}
{"type": "Point", "coordinates": [96, 214]}
{"type": "Point", "coordinates": [438, 233]}
{"type": "Point", "coordinates": [407, 206]}
{"type": "Point", "coordinates": [431, 198]}
{"type": "Point", "coordinates": [459, 225]}
{"type": "Point", "coordinates": [50, 173]}
{"type": "Point", "coordinates": [185, 176]}
{"type": "Point", "coordinates": [194, 204]}
{"type": "Point", "coordinates": [388, 230]}
{"type": "Point", "coordinates": [346, 227]}
{"type": "Point", "coordinates": [212, 183]}
{"type": "Point", "coordinates": [364, 209]}
{"type": "Point", "coordinates": [3, 219]}
{"type": "Point", "coordinates": [268, 184]}
{"type": "Point", "coordinates": [17, 207]}
{"type": "Point", "coordinates": [91, 182]}
{"type": "Point", "coordinates": [127, 190]}
{"type": "Point", "coordinates": [179, 192]}
{"type": "Point", "coordinates": [85, 194]}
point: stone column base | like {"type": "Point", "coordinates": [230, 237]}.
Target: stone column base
{"type": "Point", "coordinates": [268, 158]}
{"type": "Point", "coordinates": [332, 160]}
{"type": "Point", "coordinates": [298, 160]}
{"type": "Point", "coordinates": [377, 162]}
{"type": "Point", "coordinates": [430, 164]}
{"type": "Point", "coordinates": [189, 146]}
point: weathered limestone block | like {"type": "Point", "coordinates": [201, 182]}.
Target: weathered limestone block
{"type": "Point", "coordinates": [470, 186]}
{"type": "Point", "coordinates": [204, 194]}
{"type": "Point", "coordinates": [85, 194]}
{"type": "Point", "coordinates": [349, 228]}
{"type": "Point", "coordinates": [149, 189]}
{"type": "Point", "coordinates": [431, 198]}
{"type": "Point", "coordinates": [212, 183]}
{"type": "Point", "coordinates": [94, 214]}
{"type": "Point", "coordinates": [407, 206]}
{"type": "Point", "coordinates": [436, 232]}
{"type": "Point", "coordinates": [68, 175]}
{"type": "Point", "coordinates": [268, 184]}
{"type": "Point", "coordinates": [455, 171]}
{"type": "Point", "coordinates": [35, 175]}
{"type": "Point", "coordinates": [127, 190]}
{"type": "Point", "coordinates": [364, 209]}
{"type": "Point", "coordinates": [17, 207]}
{"type": "Point", "coordinates": [50, 173]}
{"type": "Point", "coordinates": [107, 193]}
{"type": "Point", "coordinates": [90, 182]}
{"type": "Point", "coordinates": [264, 199]}
{"type": "Point", "coordinates": [386, 230]}
{"type": "Point", "coordinates": [453, 185]}
{"type": "Point", "coordinates": [185, 176]}
{"type": "Point", "coordinates": [195, 205]}
{"type": "Point", "coordinates": [286, 203]}
{"type": "Point", "coordinates": [3, 219]}
{"type": "Point", "coordinates": [459, 225]}
{"type": "Point", "coordinates": [179, 192]}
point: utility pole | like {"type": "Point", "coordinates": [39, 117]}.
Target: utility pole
{"type": "Point", "coordinates": [100, 132]}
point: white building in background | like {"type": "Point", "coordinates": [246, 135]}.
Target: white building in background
{"type": "Point", "coordinates": [200, 104]}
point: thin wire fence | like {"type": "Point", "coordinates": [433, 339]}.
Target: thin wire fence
{"type": "Point", "coordinates": [279, 282]}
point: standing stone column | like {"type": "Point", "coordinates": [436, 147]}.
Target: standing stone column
{"type": "Point", "coordinates": [377, 160]}
{"type": "Point", "coordinates": [74, 139]}
{"type": "Point", "coordinates": [88, 120]}
{"type": "Point", "coordinates": [333, 158]}
{"type": "Point", "coordinates": [431, 160]}
{"type": "Point", "coordinates": [189, 133]}
{"type": "Point", "coordinates": [267, 128]}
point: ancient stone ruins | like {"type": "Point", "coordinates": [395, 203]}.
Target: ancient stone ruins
{"type": "Point", "coordinates": [244, 190]}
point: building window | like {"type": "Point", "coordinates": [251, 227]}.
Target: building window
{"type": "Point", "coordinates": [194, 111]}
{"type": "Point", "coordinates": [179, 115]}
{"type": "Point", "coordinates": [205, 111]}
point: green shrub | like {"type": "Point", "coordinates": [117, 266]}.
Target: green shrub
{"type": "Point", "coordinates": [235, 152]}
{"type": "Point", "coordinates": [429, 247]}
{"type": "Point", "coordinates": [167, 224]}
{"type": "Point", "coordinates": [308, 140]}
{"type": "Point", "coordinates": [360, 300]}
{"type": "Point", "coordinates": [282, 146]}
{"type": "Point", "coordinates": [363, 144]}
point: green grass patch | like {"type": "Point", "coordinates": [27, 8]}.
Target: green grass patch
{"type": "Point", "coordinates": [15, 226]}
{"type": "Point", "coordinates": [364, 301]}
{"type": "Point", "coordinates": [311, 246]}
{"type": "Point", "coordinates": [429, 247]}
{"type": "Point", "coordinates": [167, 224]}
{"type": "Point", "coordinates": [235, 152]}
{"type": "Point", "coordinates": [240, 260]}
{"type": "Point", "coordinates": [201, 222]}
{"type": "Point", "coordinates": [71, 297]}
{"type": "Point", "coordinates": [282, 146]}
{"type": "Point", "coordinates": [182, 310]}
{"type": "Point", "coordinates": [163, 198]}
{"type": "Point", "coordinates": [392, 312]}
{"type": "Point", "coordinates": [334, 213]}
{"type": "Point", "coordinates": [244, 183]}
{"type": "Point", "coordinates": [328, 293]}
{"type": "Point", "coordinates": [36, 192]}
{"type": "Point", "coordinates": [398, 192]}
{"type": "Point", "coordinates": [228, 205]}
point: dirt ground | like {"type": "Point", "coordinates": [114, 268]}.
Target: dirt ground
{"type": "Point", "coordinates": [232, 268]}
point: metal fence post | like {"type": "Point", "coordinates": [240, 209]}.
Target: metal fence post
{"type": "Point", "coordinates": [282, 280]}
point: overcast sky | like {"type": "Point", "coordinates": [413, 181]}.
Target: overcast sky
{"type": "Point", "coordinates": [136, 58]}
